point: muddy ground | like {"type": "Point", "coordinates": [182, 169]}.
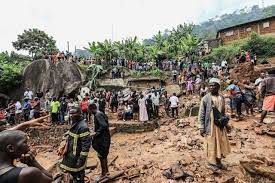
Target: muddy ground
{"type": "Point", "coordinates": [176, 148]}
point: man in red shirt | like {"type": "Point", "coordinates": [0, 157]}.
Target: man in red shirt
{"type": "Point", "coordinates": [84, 108]}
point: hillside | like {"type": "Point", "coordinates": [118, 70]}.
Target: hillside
{"type": "Point", "coordinates": [209, 28]}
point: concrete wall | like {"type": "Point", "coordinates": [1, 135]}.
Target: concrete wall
{"type": "Point", "coordinates": [113, 82]}
{"type": "Point", "coordinates": [143, 84]}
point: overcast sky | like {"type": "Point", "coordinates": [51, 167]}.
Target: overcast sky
{"type": "Point", "coordinates": [83, 21]}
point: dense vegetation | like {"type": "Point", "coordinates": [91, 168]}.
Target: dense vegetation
{"type": "Point", "coordinates": [176, 44]}
{"type": "Point", "coordinates": [261, 46]}
{"type": "Point", "coordinates": [11, 67]}
{"type": "Point", "coordinates": [182, 40]}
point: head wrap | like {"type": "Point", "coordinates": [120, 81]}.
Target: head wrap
{"type": "Point", "coordinates": [215, 80]}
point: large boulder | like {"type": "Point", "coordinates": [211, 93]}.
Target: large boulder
{"type": "Point", "coordinates": [60, 78]}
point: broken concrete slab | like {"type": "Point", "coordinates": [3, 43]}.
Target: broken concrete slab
{"type": "Point", "coordinates": [133, 127]}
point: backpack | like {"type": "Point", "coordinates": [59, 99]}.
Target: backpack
{"type": "Point", "coordinates": [219, 119]}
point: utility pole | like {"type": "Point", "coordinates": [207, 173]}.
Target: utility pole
{"type": "Point", "coordinates": [112, 32]}
{"type": "Point", "coordinates": [263, 4]}
{"type": "Point", "coordinates": [68, 46]}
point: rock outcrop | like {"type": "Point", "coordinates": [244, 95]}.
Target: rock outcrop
{"type": "Point", "coordinates": [60, 78]}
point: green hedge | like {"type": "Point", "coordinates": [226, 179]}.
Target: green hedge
{"type": "Point", "coordinates": [261, 45]}
{"type": "Point", "coordinates": [221, 53]}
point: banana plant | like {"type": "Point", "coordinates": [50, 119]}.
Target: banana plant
{"type": "Point", "coordinates": [94, 49]}
{"type": "Point", "coordinates": [174, 44]}
{"type": "Point", "coordinates": [106, 50]}
{"type": "Point", "coordinates": [93, 71]}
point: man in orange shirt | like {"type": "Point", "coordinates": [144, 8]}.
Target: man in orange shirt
{"type": "Point", "coordinates": [268, 93]}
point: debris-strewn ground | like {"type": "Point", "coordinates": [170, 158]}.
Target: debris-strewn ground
{"type": "Point", "coordinates": [175, 151]}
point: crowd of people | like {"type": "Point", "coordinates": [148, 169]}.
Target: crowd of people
{"type": "Point", "coordinates": [192, 77]}
{"type": "Point", "coordinates": [245, 56]}
{"type": "Point", "coordinates": [212, 83]}
{"type": "Point", "coordinates": [138, 106]}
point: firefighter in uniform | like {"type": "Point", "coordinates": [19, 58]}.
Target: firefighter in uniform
{"type": "Point", "coordinates": [77, 147]}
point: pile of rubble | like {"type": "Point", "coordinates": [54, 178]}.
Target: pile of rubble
{"type": "Point", "coordinates": [191, 107]}
{"type": "Point", "coordinates": [175, 152]}
{"type": "Point", "coordinates": [251, 72]}
{"type": "Point", "coordinates": [46, 137]}
{"type": "Point", "coordinates": [239, 74]}
{"type": "Point", "coordinates": [258, 169]}
{"type": "Point", "coordinates": [268, 129]}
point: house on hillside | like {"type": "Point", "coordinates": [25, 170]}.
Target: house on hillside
{"type": "Point", "coordinates": [264, 26]}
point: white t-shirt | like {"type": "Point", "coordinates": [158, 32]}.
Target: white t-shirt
{"type": "Point", "coordinates": [155, 99]}
{"type": "Point", "coordinates": [258, 83]}
{"type": "Point", "coordinates": [28, 94]}
{"type": "Point", "coordinates": [224, 63]}
{"type": "Point", "coordinates": [174, 101]}
{"type": "Point", "coordinates": [18, 107]}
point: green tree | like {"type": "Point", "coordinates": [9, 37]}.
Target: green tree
{"type": "Point", "coordinates": [159, 40]}
{"type": "Point", "coordinates": [11, 70]}
{"type": "Point", "coordinates": [131, 48]}
{"type": "Point", "coordinates": [188, 44]}
{"type": "Point", "coordinates": [106, 50]}
{"type": "Point", "coordinates": [36, 42]}
{"type": "Point", "coordinates": [119, 49]}
{"type": "Point", "coordinates": [262, 46]}
{"type": "Point", "coordinates": [172, 44]}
